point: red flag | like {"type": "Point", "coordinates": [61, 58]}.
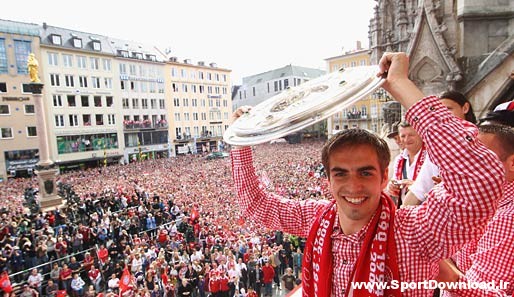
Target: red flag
{"type": "Point", "coordinates": [125, 280]}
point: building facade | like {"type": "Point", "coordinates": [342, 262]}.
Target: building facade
{"type": "Point", "coordinates": [82, 100]}
{"type": "Point", "coordinates": [467, 46]}
{"type": "Point", "coordinates": [18, 131]}
{"type": "Point", "coordinates": [200, 105]}
{"type": "Point", "coordinates": [259, 87]}
{"type": "Point", "coordinates": [140, 70]}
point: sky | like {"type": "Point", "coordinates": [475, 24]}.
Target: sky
{"type": "Point", "coordinates": [247, 37]}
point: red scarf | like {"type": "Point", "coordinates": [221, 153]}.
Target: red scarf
{"type": "Point", "coordinates": [378, 251]}
{"type": "Point", "coordinates": [417, 168]}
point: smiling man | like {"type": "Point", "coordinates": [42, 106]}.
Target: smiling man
{"type": "Point", "coordinates": [359, 236]}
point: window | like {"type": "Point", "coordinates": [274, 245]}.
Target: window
{"type": "Point", "coordinates": [123, 53]}
{"type": "Point", "coordinates": [77, 42]}
{"type": "Point", "coordinates": [67, 60]}
{"type": "Point", "coordinates": [195, 116]}
{"type": "Point", "coordinates": [200, 74]}
{"type": "Point", "coordinates": [97, 46]}
{"type": "Point", "coordinates": [56, 39]}
{"type": "Point", "coordinates": [204, 116]}
{"type": "Point", "coordinates": [132, 69]}
{"type": "Point", "coordinates": [3, 87]}
{"type": "Point", "coordinates": [71, 100]}
{"type": "Point", "coordinates": [26, 88]}
{"type": "Point", "coordinates": [186, 102]}
{"type": "Point", "coordinates": [108, 82]}
{"type": "Point", "coordinates": [3, 57]}
{"type": "Point", "coordinates": [144, 103]}
{"type": "Point", "coordinates": [177, 116]}
{"type": "Point", "coordinates": [84, 101]}
{"type": "Point", "coordinates": [83, 81]}
{"type": "Point", "coordinates": [99, 118]}
{"type": "Point", "coordinates": [109, 101]}
{"type": "Point", "coordinates": [286, 83]}
{"type": "Point", "coordinates": [107, 64]}
{"type": "Point", "coordinates": [173, 72]}
{"type": "Point", "coordinates": [253, 91]}
{"type": "Point", "coordinates": [96, 82]}
{"type": "Point", "coordinates": [176, 102]}
{"type": "Point", "coordinates": [31, 131]}
{"type": "Point", "coordinates": [123, 69]}
{"type": "Point", "coordinates": [22, 49]}
{"type": "Point", "coordinates": [183, 73]}
{"type": "Point", "coordinates": [153, 103]}
{"type": "Point", "coordinates": [6, 133]}
{"type": "Point", "coordinates": [68, 79]}
{"type": "Point", "coordinates": [52, 59]}
{"type": "Point", "coordinates": [74, 120]}
{"type": "Point", "coordinates": [224, 77]}
{"type": "Point", "coordinates": [209, 77]}
{"type": "Point", "coordinates": [184, 88]}
{"type": "Point", "coordinates": [178, 132]}
{"type": "Point", "coordinates": [162, 104]}
{"type": "Point", "coordinates": [54, 80]}
{"type": "Point", "coordinates": [111, 120]}
{"type": "Point", "coordinates": [98, 101]}
{"type": "Point", "coordinates": [29, 109]}
{"type": "Point", "coordinates": [57, 100]}
{"type": "Point", "coordinates": [125, 102]}
{"type": "Point", "coordinates": [81, 62]}
{"type": "Point", "coordinates": [135, 103]}
{"type": "Point", "coordinates": [95, 64]}
{"type": "Point", "coordinates": [59, 120]}
{"type": "Point", "coordinates": [86, 119]}
{"type": "Point", "coordinates": [202, 102]}
{"type": "Point", "coordinates": [186, 116]}
{"type": "Point", "coordinates": [4, 109]}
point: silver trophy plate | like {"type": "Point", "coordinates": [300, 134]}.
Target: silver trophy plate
{"type": "Point", "coordinates": [299, 107]}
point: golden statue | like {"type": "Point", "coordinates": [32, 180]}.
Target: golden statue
{"type": "Point", "coordinates": [33, 66]}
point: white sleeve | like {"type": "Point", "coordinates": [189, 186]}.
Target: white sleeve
{"type": "Point", "coordinates": [424, 183]}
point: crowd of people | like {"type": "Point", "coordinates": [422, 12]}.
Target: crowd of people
{"type": "Point", "coordinates": [174, 223]}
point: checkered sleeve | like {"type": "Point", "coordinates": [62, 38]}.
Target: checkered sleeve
{"type": "Point", "coordinates": [473, 176]}
{"type": "Point", "coordinates": [273, 211]}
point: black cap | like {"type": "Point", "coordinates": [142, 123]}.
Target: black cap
{"type": "Point", "coordinates": [503, 114]}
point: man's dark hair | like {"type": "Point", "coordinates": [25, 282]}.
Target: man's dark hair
{"type": "Point", "coordinates": [354, 137]}
{"type": "Point", "coordinates": [460, 99]}
{"type": "Point", "coordinates": [504, 135]}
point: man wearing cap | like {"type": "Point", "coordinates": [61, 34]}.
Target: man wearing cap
{"type": "Point", "coordinates": [490, 258]}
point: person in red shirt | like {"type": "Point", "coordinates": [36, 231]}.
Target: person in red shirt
{"type": "Point", "coordinates": [223, 282]}
{"type": "Point", "coordinates": [95, 277]}
{"type": "Point", "coordinates": [268, 275]}
{"type": "Point", "coordinates": [65, 277]}
{"type": "Point", "coordinates": [214, 280]}
{"type": "Point", "coordinates": [103, 254]}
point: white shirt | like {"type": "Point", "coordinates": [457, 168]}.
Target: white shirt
{"type": "Point", "coordinates": [424, 183]}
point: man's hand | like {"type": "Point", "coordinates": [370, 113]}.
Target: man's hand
{"type": "Point", "coordinates": [239, 112]}
{"type": "Point", "coordinates": [235, 115]}
{"type": "Point", "coordinates": [394, 67]}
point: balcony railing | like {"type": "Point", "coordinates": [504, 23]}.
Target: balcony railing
{"type": "Point", "coordinates": [144, 125]}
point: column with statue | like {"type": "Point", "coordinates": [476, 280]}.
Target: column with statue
{"type": "Point", "coordinates": [45, 168]}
